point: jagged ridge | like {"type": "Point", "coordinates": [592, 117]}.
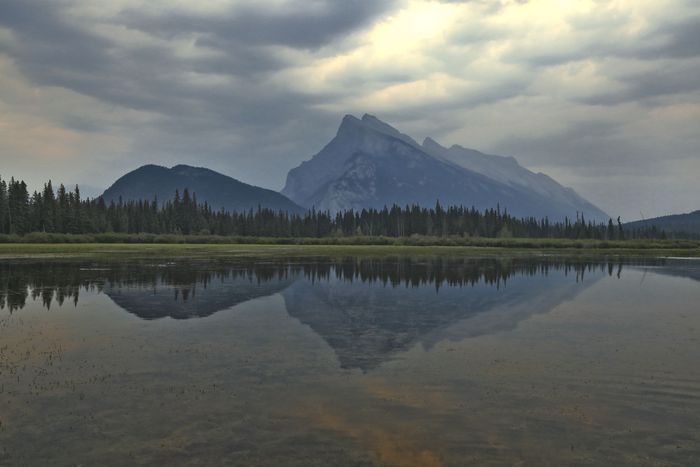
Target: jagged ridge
{"type": "Point", "coordinates": [371, 164]}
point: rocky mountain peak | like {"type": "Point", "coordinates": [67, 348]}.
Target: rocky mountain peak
{"type": "Point", "coordinates": [405, 172]}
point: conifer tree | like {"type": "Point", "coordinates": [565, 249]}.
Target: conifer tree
{"type": "Point", "coordinates": [4, 208]}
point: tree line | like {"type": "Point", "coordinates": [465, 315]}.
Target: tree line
{"type": "Point", "coordinates": [64, 211]}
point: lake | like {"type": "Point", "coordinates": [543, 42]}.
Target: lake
{"type": "Point", "coordinates": [405, 361]}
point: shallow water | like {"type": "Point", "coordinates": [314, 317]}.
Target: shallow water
{"type": "Point", "coordinates": [352, 361]}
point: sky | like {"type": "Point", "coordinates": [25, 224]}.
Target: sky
{"type": "Point", "coordinates": [604, 96]}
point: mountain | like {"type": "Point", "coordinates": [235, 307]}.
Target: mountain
{"type": "Point", "coordinates": [218, 190]}
{"type": "Point", "coordinates": [682, 225]}
{"type": "Point", "coordinates": [371, 164]}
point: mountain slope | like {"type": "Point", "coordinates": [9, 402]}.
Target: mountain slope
{"type": "Point", "coordinates": [371, 164]}
{"type": "Point", "coordinates": [218, 190]}
{"type": "Point", "coordinates": [507, 170]}
{"type": "Point", "coordinates": [682, 224]}
{"type": "Point", "coordinates": [407, 176]}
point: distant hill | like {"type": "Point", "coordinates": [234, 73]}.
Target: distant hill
{"type": "Point", "coordinates": [682, 225]}
{"type": "Point", "coordinates": [371, 164]}
{"type": "Point", "coordinates": [218, 190]}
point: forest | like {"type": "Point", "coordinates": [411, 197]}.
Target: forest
{"type": "Point", "coordinates": [63, 211]}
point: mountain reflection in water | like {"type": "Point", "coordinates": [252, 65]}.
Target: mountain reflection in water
{"type": "Point", "coordinates": [425, 360]}
{"type": "Point", "coordinates": [366, 309]}
{"type": "Point", "coordinates": [191, 289]}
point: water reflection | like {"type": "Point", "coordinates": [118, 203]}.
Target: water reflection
{"type": "Point", "coordinates": [194, 289]}
{"type": "Point", "coordinates": [350, 361]}
{"type": "Point", "coordinates": [149, 290]}
{"type": "Point", "coordinates": [688, 268]}
{"type": "Point", "coordinates": [366, 309]}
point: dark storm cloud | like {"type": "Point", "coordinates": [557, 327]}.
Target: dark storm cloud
{"type": "Point", "coordinates": [53, 49]}
{"type": "Point", "coordinates": [242, 125]}
{"type": "Point", "coordinates": [298, 25]}
{"type": "Point", "coordinates": [46, 42]}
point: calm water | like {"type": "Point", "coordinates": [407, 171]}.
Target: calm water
{"type": "Point", "coordinates": [357, 361]}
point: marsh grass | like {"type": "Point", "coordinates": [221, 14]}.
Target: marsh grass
{"type": "Point", "coordinates": [149, 244]}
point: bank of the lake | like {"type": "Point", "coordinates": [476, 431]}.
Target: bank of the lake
{"type": "Point", "coordinates": [358, 246]}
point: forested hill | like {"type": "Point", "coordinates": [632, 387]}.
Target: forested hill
{"type": "Point", "coordinates": [217, 190]}
{"type": "Point", "coordinates": [677, 224]}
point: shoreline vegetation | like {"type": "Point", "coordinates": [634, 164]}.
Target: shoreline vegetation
{"type": "Point", "coordinates": [164, 245]}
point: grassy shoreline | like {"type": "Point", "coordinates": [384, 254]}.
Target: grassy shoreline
{"type": "Point", "coordinates": [414, 240]}
{"type": "Point", "coordinates": [309, 248]}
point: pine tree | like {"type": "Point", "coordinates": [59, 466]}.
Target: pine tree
{"type": "Point", "coordinates": [620, 232]}
{"type": "Point", "coordinates": [4, 208]}
{"type": "Point", "coordinates": [18, 204]}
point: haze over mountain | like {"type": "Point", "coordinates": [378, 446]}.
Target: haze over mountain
{"type": "Point", "coordinates": [681, 224]}
{"type": "Point", "coordinates": [218, 190]}
{"type": "Point", "coordinates": [371, 164]}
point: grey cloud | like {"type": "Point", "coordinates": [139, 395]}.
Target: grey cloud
{"type": "Point", "coordinates": [44, 38]}
{"type": "Point", "coordinates": [673, 39]}
{"type": "Point", "coordinates": [217, 125]}
{"type": "Point", "coordinates": [591, 148]}
{"type": "Point", "coordinates": [382, 77]}
{"type": "Point", "coordinates": [52, 49]}
{"type": "Point", "coordinates": [294, 25]}
{"type": "Point", "coordinates": [670, 52]}
{"type": "Point", "coordinates": [667, 79]}
{"type": "Point", "coordinates": [82, 124]}
{"type": "Point", "coordinates": [254, 130]}
{"type": "Point", "coordinates": [681, 40]}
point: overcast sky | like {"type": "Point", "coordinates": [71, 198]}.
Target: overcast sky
{"type": "Point", "coordinates": [602, 95]}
